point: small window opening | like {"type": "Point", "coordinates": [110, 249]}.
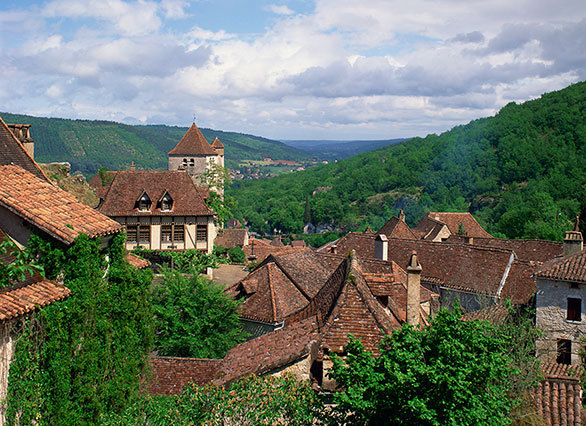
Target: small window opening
{"type": "Point", "coordinates": [167, 203]}
{"type": "Point", "coordinates": [144, 203]}
{"type": "Point", "coordinates": [317, 372]}
{"type": "Point", "coordinates": [564, 351]}
{"type": "Point", "coordinates": [574, 312]}
{"type": "Point", "coordinates": [202, 233]}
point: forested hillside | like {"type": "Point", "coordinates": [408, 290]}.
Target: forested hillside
{"type": "Point", "coordinates": [90, 144]}
{"type": "Point", "coordinates": [522, 173]}
{"type": "Point", "coordinates": [335, 150]}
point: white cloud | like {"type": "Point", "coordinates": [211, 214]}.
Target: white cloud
{"type": "Point", "coordinates": [280, 9]}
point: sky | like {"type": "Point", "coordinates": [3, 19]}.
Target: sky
{"type": "Point", "coordinates": [298, 69]}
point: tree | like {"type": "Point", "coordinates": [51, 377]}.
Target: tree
{"type": "Point", "coordinates": [451, 372]}
{"type": "Point", "coordinates": [217, 178]}
{"type": "Point", "coordinates": [194, 317]}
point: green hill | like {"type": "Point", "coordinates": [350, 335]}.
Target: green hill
{"type": "Point", "coordinates": [522, 173]}
{"type": "Point", "coordinates": [88, 144]}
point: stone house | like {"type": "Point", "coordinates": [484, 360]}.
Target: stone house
{"type": "Point", "coordinates": [560, 304]}
{"type": "Point", "coordinates": [160, 210]}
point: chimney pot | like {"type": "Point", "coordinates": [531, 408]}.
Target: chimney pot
{"type": "Point", "coordinates": [573, 243]}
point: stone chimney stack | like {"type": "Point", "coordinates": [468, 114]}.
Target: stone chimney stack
{"type": "Point", "coordinates": [573, 243]}
{"type": "Point", "coordinates": [413, 289]}
{"type": "Point", "coordinates": [401, 215]}
{"type": "Point", "coordinates": [132, 166]}
{"type": "Point", "coordinates": [381, 247]}
{"type": "Point", "coordinates": [22, 133]}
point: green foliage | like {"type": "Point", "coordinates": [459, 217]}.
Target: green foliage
{"type": "Point", "coordinates": [105, 177]}
{"type": "Point", "coordinates": [252, 401]}
{"type": "Point", "coordinates": [451, 372]}
{"type": "Point", "coordinates": [21, 267]}
{"type": "Point", "coordinates": [194, 317]}
{"type": "Point", "coordinates": [236, 255]}
{"type": "Point", "coordinates": [88, 144]}
{"type": "Point", "coordinates": [82, 357]}
{"type": "Point", "coordinates": [185, 261]}
{"type": "Point", "coordinates": [521, 173]}
{"type": "Point", "coordinates": [318, 240]}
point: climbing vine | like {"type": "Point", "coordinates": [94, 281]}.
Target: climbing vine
{"type": "Point", "coordinates": [82, 357]}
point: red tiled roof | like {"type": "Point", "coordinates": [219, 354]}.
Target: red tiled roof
{"type": "Point", "coordinates": [428, 228]}
{"type": "Point", "coordinates": [230, 238]}
{"type": "Point", "coordinates": [535, 250]}
{"type": "Point", "coordinates": [463, 267]}
{"type": "Point", "coordinates": [298, 244]}
{"type": "Point", "coordinates": [262, 248]}
{"type": "Point", "coordinates": [13, 152]}
{"type": "Point", "coordinates": [128, 185]}
{"type": "Point", "coordinates": [137, 262]}
{"type": "Point", "coordinates": [305, 268]}
{"type": "Point", "coordinates": [494, 313]}
{"type": "Point", "coordinates": [216, 144]}
{"type": "Point", "coordinates": [569, 268]}
{"type": "Point", "coordinates": [96, 183]}
{"type": "Point", "coordinates": [396, 228]}
{"type": "Point", "coordinates": [454, 220]}
{"type": "Point", "coordinates": [269, 352]}
{"type": "Point", "coordinates": [193, 143]}
{"type": "Point", "coordinates": [25, 296]}
{"type": "Point", "coordinates": [558, 398]}
{"type": "Point", "coordinates": [171, 374]}
{"type": "Point", "coordinates": [49, 208]}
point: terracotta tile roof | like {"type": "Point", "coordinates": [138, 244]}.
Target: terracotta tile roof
{"type": "Point", "coordinates": [171, 374]}
{"type": "Point", "coordinates": [96, 183]}
{"type": "Point", "coordinates": [305, 269]}
{"type": "Point", "coordinates": [454, 220]}
{"type": "Point", "coordinates": [49, 208]}
{"type": "Point", "coordinates": [298, 244]}
{"type": "Point", "coordinates": [494, 313]}
{"type": "Point", "coordinates": [128, 185]}
{"type": "Point", "coordinates": [428, 228]}
{"type": "Point", "coordinates": [535, 250]}
{"type": "Point", "coordinates": [269, 352]}
{"type": "Point", "coordinates": [216, 144]}
{"type": "Point", "coordinates": [262, 248]}
{"type": "Point", "coordinates": [269, 294]}
{"type": "Point", "coordinates": [230, 238]}
{"type": "Point", "coordinates": [569, 268]}
{"type": "Point", "coordinates": [193, 143]}
{"type": "Point", "coordinates": [25, 296]}
{"type": "Point", "coordinates": [137, 262]}
{"type": "Point", "coordinates": [463, 267]}
{"type": "Point", "coordinates": [396, 228]}
{"type": "Point", "coordinates": [558, 398]}
{"type": "Point", "coordinates": [13, 152]}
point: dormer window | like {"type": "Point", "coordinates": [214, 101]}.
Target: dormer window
{"type": "Point", "coordinates": [144, 203]}
{"type": "Point", "coordinates": [191, 162]}
{"type": "Point", "coordinates": [166, 203]}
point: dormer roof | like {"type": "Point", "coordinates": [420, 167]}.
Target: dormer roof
{"type": "Point", "coordinates": [13, 152]}
{"type": "Point", "coordinates": [193, 143]}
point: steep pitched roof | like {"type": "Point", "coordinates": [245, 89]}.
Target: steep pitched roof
{"type": "Point", "coordinates": [23, 297]}
{"type": "Point", "coordinates": [49, 208]}
{"type": "Point", "coordinates": [305, 268]}
{"type": "Point", "coordinates": [462, 267]}
{"type": "Point", "coordinates": [193, 143]}
{"type": "Point", "coordinates": [558, 398]}
{"type": "Point", "coordinates": [569, 268]}
{"type": "Point", "coordinates": [454, 220]}
{"type": "Point", "coordinates": [396, 228]}
{"type": "Point", "coordinates": [128, 185]}
{"type": "Point", "coordinates": [217, 144]}
{"type": "Point", "coordinates": [13, 152]}
{"type": "Point", "coordinates": [428, 228]}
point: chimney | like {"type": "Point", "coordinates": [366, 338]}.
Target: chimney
{"type": "Point", "coordinates": [381, 247]}
{"type": "Point", "coordinates": [413, 289]}
{"type": "Point", "coordinates": [334, 249]}
{"type": "Point", "coordinates": [132, 166]}
{"type": "Point", "coordinates": [401, 215]}
{"type": "Point", "coordinates": [22, 133]}
{"type": "Point", "coordinates": [573, 243]}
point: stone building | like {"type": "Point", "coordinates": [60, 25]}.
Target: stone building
{"type": "Point", "coordinates": [194, 154]}
{"type": "Point", "coordinates": [160, 210]}
{"type": "Point", "coordinates": [560, 296]}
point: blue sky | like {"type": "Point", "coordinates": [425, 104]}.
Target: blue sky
{"type": "Point", "coordinates": [299, 69]}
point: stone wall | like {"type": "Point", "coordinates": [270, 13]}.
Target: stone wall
{"type": "Point", "coordinates": [6, 352]}
{"type": "Point", "coordinates": [551, 310]}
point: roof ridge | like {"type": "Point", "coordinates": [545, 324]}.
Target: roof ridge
{"type": "Point", "coordinates": [272, 293]}
{"type": "Point", "coordinates": [295, 283]}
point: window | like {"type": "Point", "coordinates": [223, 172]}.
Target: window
{"type": "Point", "coordinates": [131, 233]}
{"type": "Point", "coordinates": [191, 162]}
{"type": "Point", "coordinates": [144, 234]}
{"type": "Point", "coordinates": [179, 233]}
{"type": "Point", "coordinates": [166, 233]}
{"type": "Point", "coordinates": [144, 203]}
{"type": "Point", "coordinates": [564, 351]}
{"type": "Point", "coordinates": [574, 312]}
{"type": "Point", "coordinates": [202, 233]}
{"type": "Point", "coordinates": [167, 203]}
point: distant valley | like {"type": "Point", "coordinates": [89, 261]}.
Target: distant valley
{"type": "Point", "coordinates": [336, 150]}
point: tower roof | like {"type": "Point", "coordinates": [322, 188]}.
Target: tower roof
{"type": "Point", "coordinates": [193, 143]}
{"type": "Point", "coordinates": [217, 144]}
